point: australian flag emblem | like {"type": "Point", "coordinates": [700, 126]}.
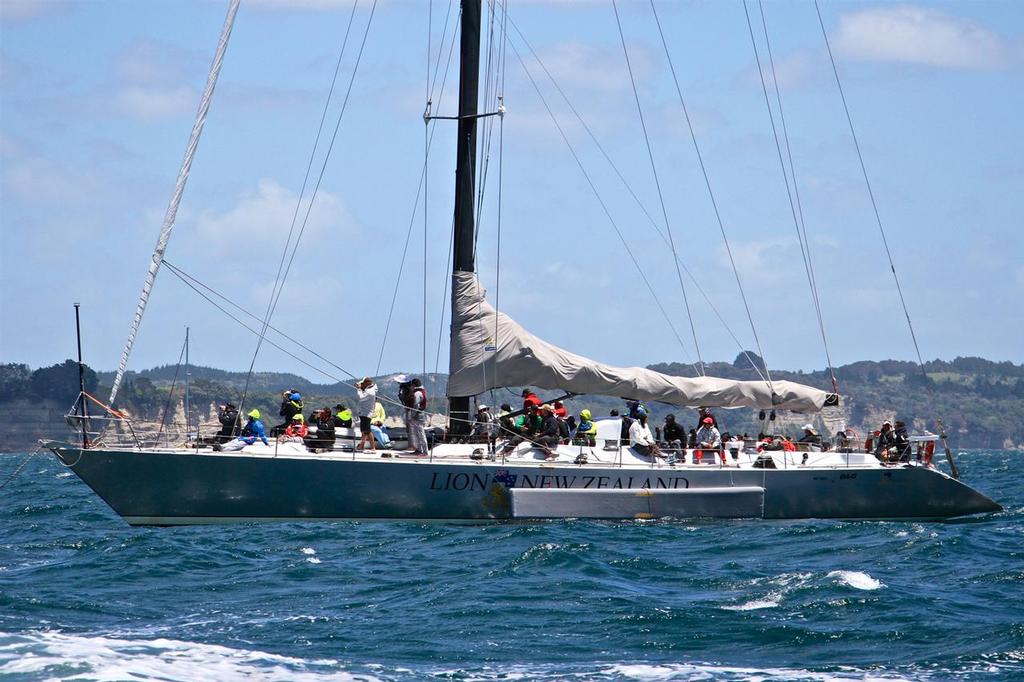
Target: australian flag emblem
{"type": "Point", "coordinates": [505, 478]}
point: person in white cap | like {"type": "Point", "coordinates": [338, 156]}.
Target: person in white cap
{"type": "Point", "coordinates": [810, 435]}
{"type": "Point", "coordinates": [366, 393]}
{"type": "Point", "coordinates": [484, 424]}
{"type": "Point", "coordinates": [885, 441]}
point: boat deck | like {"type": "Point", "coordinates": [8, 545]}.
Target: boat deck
{"type": "Point", "coordinates": [567, 456]}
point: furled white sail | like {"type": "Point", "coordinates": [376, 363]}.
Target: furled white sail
{"type": "Point", "coordinates": [489, 349]}
{"type": "Point", "coordinates": [179, 189]}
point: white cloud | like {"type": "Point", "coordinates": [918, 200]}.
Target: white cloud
{"type": "Point", "coordinates": [915, 35]}
{"type": "Point", "coordinates": [591, 67]}
{"type": "Point", "coordinates": [150, 103]}
{"type": "Point", "coordinates": [16, 11]}
{"type": "Point", "coordinates": [263, 216]}
{"type": "Point", "coordinates": [148, 62]}
{"type": "Point", "coordinates": [301, 4]}
{"type": "Point", "coordinates": [40, 181]}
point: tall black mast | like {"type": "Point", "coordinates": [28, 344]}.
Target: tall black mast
{"type": "Point", "coordinates": [465, 173]}
{"type": "Point", "coordinates": [81, 408]}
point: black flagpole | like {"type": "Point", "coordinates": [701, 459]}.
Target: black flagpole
{"type": "Point", "coordinates": [82, 408]}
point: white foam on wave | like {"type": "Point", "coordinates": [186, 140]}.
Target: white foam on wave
{"type": "Point", "coordinates": [769, 602]}
{"type": "Point", "coordinates": [44, 654]}
{"type": "Point", "coordinates": [856, 579]}
{"type": "Point", "coordinates": [308, 550]}
{"type": "Point", "coordinates": [695, 671]}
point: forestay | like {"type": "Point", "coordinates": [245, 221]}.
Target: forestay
{"type": "Point", "coordinates": [490, 350]}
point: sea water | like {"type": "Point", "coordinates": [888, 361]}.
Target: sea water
{"type": "Point", "coordinates": [84, 596]}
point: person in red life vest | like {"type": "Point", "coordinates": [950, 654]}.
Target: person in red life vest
{"type": "Point", "coordinates": [530, 400]}
{"type": "Point", "coordinates": [296, 430]}
{"type": "Point", "coordinates": [560, 410]}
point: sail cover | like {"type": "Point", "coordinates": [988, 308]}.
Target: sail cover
{"type": "Point", "coordinates": [490, 350]}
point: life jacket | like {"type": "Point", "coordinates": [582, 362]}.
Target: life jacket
{"type": "Point", "coordinates": [300, 430]}
{"type": "Point", "coordinates": [405, 393]}
{"type": "Point", "coordinates": [636, 409]}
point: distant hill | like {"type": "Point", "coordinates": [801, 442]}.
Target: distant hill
{"type": "Point", "coordinates": [981, 401]}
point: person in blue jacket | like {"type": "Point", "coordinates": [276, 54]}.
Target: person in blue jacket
{"type": "Point", "coordinates": [252, 430]}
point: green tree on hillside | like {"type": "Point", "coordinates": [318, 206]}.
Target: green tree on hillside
{"type": "Point", "coordinates": [60, 382]}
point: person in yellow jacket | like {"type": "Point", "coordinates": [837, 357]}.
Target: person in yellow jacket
{"type": "Point", "coordinates": [377, 428]}
{"type": "Point", "coordinates": [586, 432]}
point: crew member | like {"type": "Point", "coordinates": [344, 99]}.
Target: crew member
{"type": "Point", "coordinates": [708, 435]}
{"type": "Point", "coordinates": [366, 396]}
{"type": "Point", "coordinates": [227, 415]}
{"type": "Point", "coordinates": [252, 430]}
{"type": "Point", "coordinates": [641, 439]}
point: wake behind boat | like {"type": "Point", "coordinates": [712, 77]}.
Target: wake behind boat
{"type": "Point", "coordinates": [515, 474]}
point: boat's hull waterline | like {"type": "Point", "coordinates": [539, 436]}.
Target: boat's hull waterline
{"type": "Point", "coordinates": [190, 487]}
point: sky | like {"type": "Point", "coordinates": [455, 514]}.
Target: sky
{"type": "Point", "coordinates": [97, 100]}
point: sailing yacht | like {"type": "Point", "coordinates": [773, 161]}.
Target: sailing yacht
{"type": "Point", "coordinates": [482, 481]}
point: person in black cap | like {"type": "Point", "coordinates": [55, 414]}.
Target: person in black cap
{"type": "Point", "coordinates": [227, 415]}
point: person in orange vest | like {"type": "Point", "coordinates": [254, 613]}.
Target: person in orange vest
{"type": "Point", "coordinates": [296, 430]}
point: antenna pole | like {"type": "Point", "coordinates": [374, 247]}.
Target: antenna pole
{"type": "Point", "coordinates": [188, 433]}
{"type": "Point", "coordinates": [82, 409]}
{"type": "Point", "coordinates": [464, 251]}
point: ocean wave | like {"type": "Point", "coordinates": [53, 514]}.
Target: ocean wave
{"type": "Point", "coordinates": [856, 579]}
{"type": "Point", "coordinates": [769, 602]}
{"type": "Point", "coordinates": [57, 655]}
{"type": "Point", "coordinates": [67, 656]}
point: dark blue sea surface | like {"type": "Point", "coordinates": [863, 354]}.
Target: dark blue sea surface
{"type": "Point", "coordinates": [84, 596]}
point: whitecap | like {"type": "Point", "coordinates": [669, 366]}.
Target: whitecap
{"type": "Point", "coordinates": [38, 654]}
{"type": "Point", "coordinates": [769, 602]}
{"type": "Point", "coordinates": [856, 579]}
{"type": "Point", "coordinates": [313, 560]}
{"type": "Point", "coordinates": [704, 671]}
{"type": "Point", "coordinates": [308, 550]}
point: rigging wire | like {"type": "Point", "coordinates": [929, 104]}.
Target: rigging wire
{"type": "Point", "coordinates": [800, 236]}
{"type": "Point", "coordinates": [198, 287]}
{"type": "Point", "coordinates": [806, 245]}
{"type": "Point", "coordinates": [867, 183]}
{"type": "Point", "coordinates": [657, 184]}
{"type": "Point", "coordinates": [170, 394]}
{"type": "Point", "coordinates": [179, 190]}
{"type": "Point", "coordinates": [412, 217]}
{"type": "Point", "coordinates": [503, 55]}
{"type": "Point", "coordinates": [625, 183]}
{"type": "Point", "coordinates": [604, 206]}
{"type": "Point", "coordinates": [427, 136]}
{"type": "Point", "coordinates": [208, 294]}
{"type": "Point", "coordinates": [714, 204]}
{"type": "Point", "coordinates": [275, 298]}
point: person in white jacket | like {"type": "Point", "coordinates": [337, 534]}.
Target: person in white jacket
{"type": "Point", "coordinates": [641, 439]}
{"type": "Point", "coordinates": [366, 393]}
